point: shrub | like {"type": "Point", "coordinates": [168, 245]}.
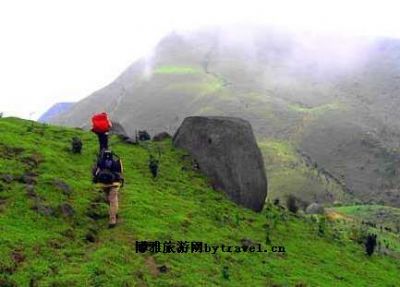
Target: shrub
{"type": "Point", "coordinates": [291, 203]}
{"type": "Point", "coordinates": [370, 244]}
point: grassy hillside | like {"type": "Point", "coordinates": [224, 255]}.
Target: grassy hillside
{"type": "Point", "coordinates": [377, 219]}
{"type": "Point", "coordinates": [290, 174]}
{"type": "Point", "coordinates": [53, 224]}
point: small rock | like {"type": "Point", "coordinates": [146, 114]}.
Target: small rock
{"type": "Point", "coordinates": [163, 269]}
{"type": "Point", "coordinates": [7, 178]}
{"type": "Point", "coordinates": [315, 208]}
{"type": "Point", "coordinates": [33, 161]}
{"type": "Point", "coordinates": [91, 237]}
{"type": "Point", "coordinates": [161, 136]}
{"type": "Point", "coordinates": [143, 135]}
{"type": "Point", "coordinates": [28, 178]}
{"type": "Point", "coordinates": [66, 210]}
{"type": "Point", "coordinates": [246, 242]}
{"type": "Point", "coordinates": [17, 256]}
{"type": "Point", "coordinates": [43, 209]}
{"type": "Point", "coordinates": [63, 187]}
{"type": "Point", "coordinates": [30, 191]}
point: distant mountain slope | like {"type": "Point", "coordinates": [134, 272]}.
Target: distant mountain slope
{"type": "Point", "coordinates": [333, 98]}
{"type": "Point", "coordinates": [53, 224]}
{"type": "Point", "coordinates": [54, 111]}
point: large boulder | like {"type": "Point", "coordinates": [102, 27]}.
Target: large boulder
{"type": "Point", "coordinates": [315, 208]}
{"type": "Point", "coordinates": [226, 151]}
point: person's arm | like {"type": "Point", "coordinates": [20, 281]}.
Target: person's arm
{"type": "Point", "coordinates": [95, 170]}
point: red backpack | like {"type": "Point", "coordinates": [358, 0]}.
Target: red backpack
{"type": "Point", "coordinates": [101, 123]}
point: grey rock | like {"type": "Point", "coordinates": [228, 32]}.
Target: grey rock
{"type": "Point", "coordinates": [43, 209]}
{"type": "Point", "coordinates": [30, 191]}
{"type": "Point", "coordinates": [63, 187]}
{"type": "Point", "coordinates": [226, 151]}
{"type": "Point", "coordinates": [7, 178]}
{"type": "Point", "coordinates": [246, 242]}
{"type": "Point", "coordinates": [315, 208]}
{"type": "Point", "coordinates": [66, 210]}
{"type": "Point", "coordinates": [28, 178]}
{"type": "Point", "coordinates": [161, 136]}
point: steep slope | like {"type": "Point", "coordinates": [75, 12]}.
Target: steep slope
{"type": "Point", "coordinates": [45, 244]}
{"type": "Point", "coordinates": [333, 98]}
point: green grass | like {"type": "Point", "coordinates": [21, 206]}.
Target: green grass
{"type": "Point", "coordinates": [176, 70]}
{"type": "Point", "coordinates": [288, 173]}
{"type": "Point", "coordinates": [382, 216]}
{"type": "Point", "coordinates": [51, 250]}
{"type": "Point", "coordinates": [317, 110]}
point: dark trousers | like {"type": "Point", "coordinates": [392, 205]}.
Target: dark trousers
{"type": "Point", "coordinates": [103, 141]}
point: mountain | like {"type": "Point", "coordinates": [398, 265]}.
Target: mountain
{"type": "Point", "coordinates": [330, 99]}
{"type": "Point", "coordinates": [53, 224]}
{"type": "Point", "coordinates": [55, 111]}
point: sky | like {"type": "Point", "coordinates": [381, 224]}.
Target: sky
{"type": "Point", "coordinates": [63, 50]}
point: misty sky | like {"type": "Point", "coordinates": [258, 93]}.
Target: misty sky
{"type": "Point", "coordinates": [55, 50]}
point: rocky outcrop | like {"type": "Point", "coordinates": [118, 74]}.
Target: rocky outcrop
{"type": "Point", "coordinates": [161, 136]}
{"type": "Point", "coordinates": [315, 208]}
{"type": "Point", "coordinates": [226, 151]}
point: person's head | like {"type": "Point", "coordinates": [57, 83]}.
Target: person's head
{"type": "Point", "coordinates": [107, 154]}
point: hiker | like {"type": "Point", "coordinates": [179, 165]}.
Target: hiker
{"type": "Point", "coordinates": [108, 172]}
{"type": "Point", "coordinates": [101, 125]}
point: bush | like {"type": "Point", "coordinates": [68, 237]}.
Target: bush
{"type": "Point", "coordinates": [143, 135]}
{"type": "Point", "coordinates": [358, 234]}
{"type": "Point", "coordinates": [291, 203]}
{"type": "Point", "coordinates": [370, 244]}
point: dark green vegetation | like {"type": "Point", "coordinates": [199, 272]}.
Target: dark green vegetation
{"type": "Point", "coordinates": [291, 174]}
{"type": "Point", "coordinates": [43, 244]}
{"type": "Point", "coordinates": [332, 98]}
{"type": "Point", "coordinates": [381, 220]}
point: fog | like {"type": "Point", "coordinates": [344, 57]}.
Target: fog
{"type": "Point", "coordinates": [54, 51]}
